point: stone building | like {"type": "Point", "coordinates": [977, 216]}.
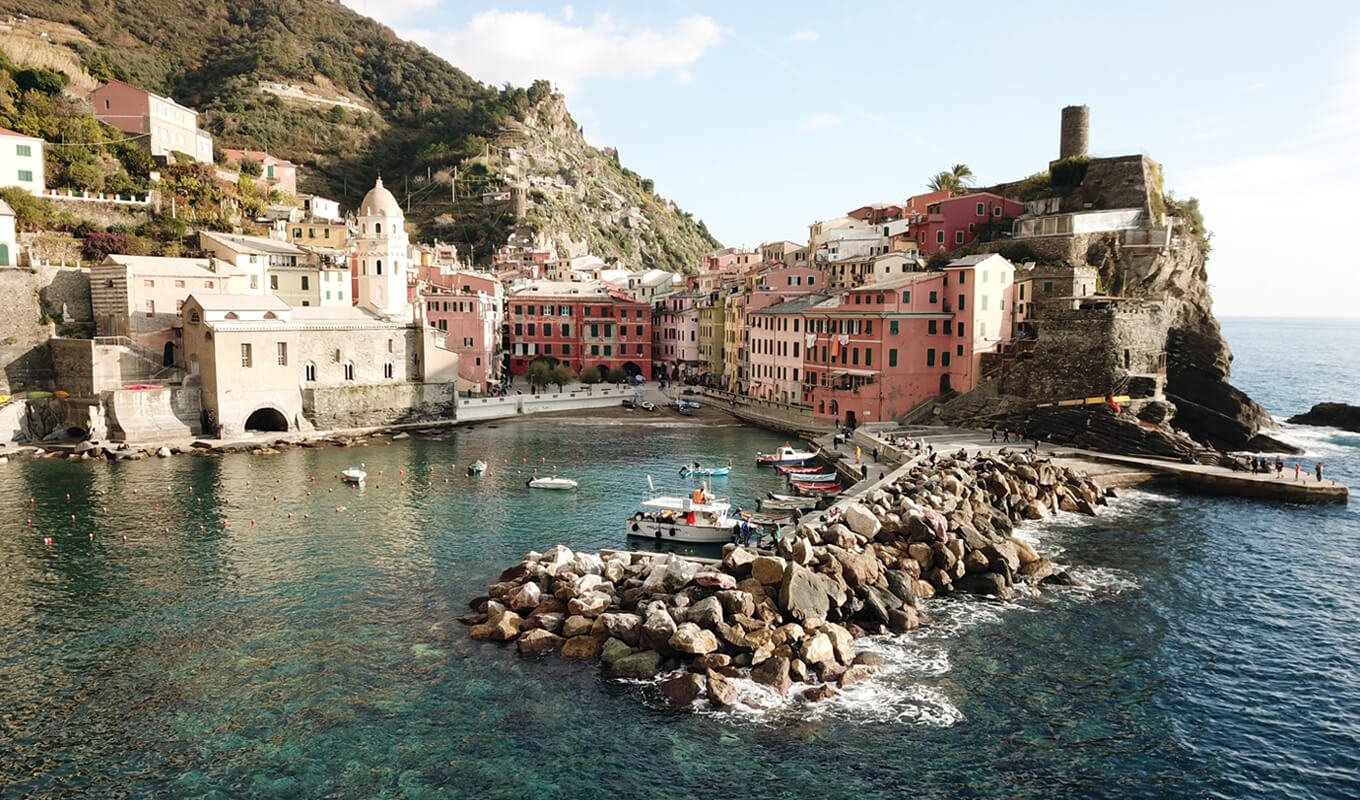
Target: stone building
{"type": "Point", "coordinates": [139, 297]}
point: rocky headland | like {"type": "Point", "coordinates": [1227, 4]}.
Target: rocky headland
{"type": "Point", "coordinates": [791, 616]}
{"type": "Point", "coordinates": [1330, 415]}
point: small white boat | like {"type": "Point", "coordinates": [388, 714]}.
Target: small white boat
{"type": "Point", "coordinates": [552, 482]}
{"type": "Point", "coordinates": [784, 456]}
{"type": "Point", "coordinates": [477, 467]}
{"type": "Point", "coordinates": [698, 517]}
{"type": "Point", "coordinates": [353, 475]}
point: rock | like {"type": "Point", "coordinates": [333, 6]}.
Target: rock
{"type": "Point", "coordinates": [613, 650]}
{"type": "Point", "coordinates": [869, 659]}
{"type": "Point", "coordinates": [839, 535]}
{"type": "Point", "coordinates": [1036, 571]}
{"type": "Point", "coordinates": [841, 641]}
{"type": "Point", "coordinates": [682, 690]}
{"type": "Point", "coordinates": [985, 583]}
{"type": "Point", "coordinates": [902, 584]}
{"type": "Point", "coordinates": [975, 561]}
{"type": "Point", "coordinates": [524, 597]}
{"type": "Point", "coordinates": [972, 537]}
{"type": "Point", "coordinates": [638, 665]}
{"type": "Point", "coordinates": [1004, 552]}
{"type": "Point", "coordinates": [720, 690]}
{"type": "Point", "coordinates": [768, 569]}
{"type": "Point", "coordinates": [879, 602]}
{"type": "Point", "coordinates": [904, 619]}
{"type": "Point", "coordinates": [670, 575]}
{"type": "Point", "coordinates": [584, 584]}
{"type": "Point", "coordinates": [690, 638]}
{"type": "Point", "coordinates": [734, 637]}
{"type": "Point", "coordinates": [817, 650]}
{"type": "Point", "coordinates": [858, 567]}
{"type": "Point", "coordinates": [711, 661]}
{"type": "Point", "coordinates": [801, 594]}
{"type": "Point", "coordinates": [861, 520]}
{"type": "Point", "coordinates": [1331, 415]}
{"type": "Point", "coordinates": [857, 674]}
{"type": "Point", "coordinates": [715, 580]}
{"type": "Point", "coordinates": [583, 647]}
{"type": "Point", "coordinates": [590, 604]}
{"type": "Point", "coordinates": [922, 554]}
{"type": "Point", "coordinates": [1032, 510]}
{"type": "Point", "coordinates": [802, 552]}
{"type": "Point", "coordinates": [814, 694]}
{"type": "Point", "coordinates": [536, 642]}
{"type": "Point", "coordinates": [1023, 550]}
{"type": "Point", "coordinates": [557, 556]}
{"type": "Point", "coordinates": [164, 452]}
{"type": "Point", "coordinates": [706, 613]}
{"type": "Point", "coordinates": [1063, 578]}
{"type": "Point", "coordinates": [773, 672]}
{"type": "Point", "coordinates": [587, 564]}
{"type": "Point", "coordinates": [576, 625]}
{"type": "Point", "coordinates": [735, 602]}
{"type": "Point", "coordinates": [657, 631]}
{"type": "Point", "coordinates": [738, 559]}
{"type": "Point", "coordinates": [624, 626]}
{"type": "Point", "coordinates": [550, 621]}
{"type": "Point", "coordinates": [501, 629]}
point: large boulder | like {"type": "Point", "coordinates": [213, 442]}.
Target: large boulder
{"type": "Point", "coordinates": [817, 650]}
{"type": "Point", "coordinates": [738, 560]}
{"type": "Point", "coordinates": [857, 673]}
{"type": "Point", "coordinates": [705, 613]}
{"type": "Point", "coordinates": [524, 597]}
{"type": "Point", "coordinates": [1024, 550]}
{"type": "Point", "coordinates": [501, 629]}
{"type": "Point", "coordinates": [583, 647]}
{"type": "Point", "coordinates": [536, 642]}
{"type": "Point", "coordinates": [720, 689]}
{"type": "Point", "coordinates": [715, 580]}
{"type": "Point", "coordinates": [550, 621]}
{"type": "Point", "coordinates": [576, 625]}
{"type": "Point", "coordinates": [690, 638]}
{"type": "Point", "coordinates": [613, 650]}
{"type": "Point", "coordinates": [624, 626]}
{"type": "Point", "coordinates": [801, 594]}
{"type": "Point", "coordinates": [985, 583]}
{"type": "Point", "coordinates": [861, 520]}
{"type": "Point", "coordinates": [735, 601]}
{"type": "Point", "coordinates": [638, 665]}
{"type": "Point", "coordinates": [768, 570]}
{"type": "Point", "coordinates": [682, 690]}
{"type": "Point", "coordinates": [669, 576]}
{"type": "Point", "coordinates": [657, 630]}
{"type": "Point", "coordinates": [1003, 552]}
{"type": "Point", "coordinates": [590, 604]}
{"type": "Point", "coordinates": [858, 567]}
{"type": "Point", "coordinates": [773, 672]}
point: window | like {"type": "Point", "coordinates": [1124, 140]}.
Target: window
{"type": "Point", "coordinates": [892, 357]}
{"type": "Point", "coordinates": [207, 284]}
{"type": "Point", "coordinates": [963, 278]}
{"type": "Point", "coordinates": [854, 356]}
{"type": "Point", "coordinates": [892, 327]}
{"type": "Point", "coordinates": [566, 330]}
{"type": "Point", "coordinates": [306, 284]}
{"type": "Point", "coordinates": [996, 212]}
{"type": "Point", "coordinates": [939, 237]}
{"type": "Point", "coordinates": [982, 209]}
{"type": "Point", "coordinates": [150, 307]}
{"type": "Point", "coordinates": [309, 371]}
{"type": "Point", "coordinates": [519, 310]}
{"type": "Point", "coordinates": [387, 370]}
{"type": "Point", "coordinates": [868, 357]}
{"type": "Point", "coordinates": [193, 318]}
{"type": "Point", "coordinates": [594, 349]}
{"type": "Point", "coordinates": [972, 228]}
{"type": "Point", "coordinates": [960, 302]}
{"type": "Point", "coordinates": [349, 370]}
{"type": "Point", "coordinates": [148, 282]}
{"type": "Point", "coordinates": [297, 233]}
{"type": "Point", "coordinates": [930, 357]}
{"type": "Point", "coordinates": [960, 329]}
{"type": "Point", "coordinates": [944, 358]}
{"type": "Point", "coordinates": [1048, 286]}
{"type": "Point", "coordinates": [566, 349]}
{"type": "Point", "coordinates": [930, 328]}
{"type": "Point", "coordinates": [532, 328]}
{"type": "Point", "coordinates": [906, 297]}
{"type": "Point", "coordinates": [948, 327]}
{"type": "Point", "coordinates": [245, 355]}
{"type": "Point", "coordinates": [1022, 291]}
{"type": "Point", "coordinates": [274, 282]}
{"type": "Point", "coordinates": [254, 281]}
{"type": "Point", "coordinates": [958, 237]}
{"type": "Point", "coordinates": [26, 175]}
{"type": "Point", "coordinates": [933, 297]}
{"type": "Point", "coordinates": [327, 233]}
{"type": "Point", "coordinates": [377, 267]}
{"type": "Point", "coordinates": [519, 329]}
{"type": "Point", "coordinates": [377, 227]}
{"type": "Point", "coordinates": [639, 330]}
{"type": "Point", "coordinates": [960, 350]}
{"type": "Point", "coordinates": [283, 354]}
{"type": "Point", "coordinates": [984, 303]}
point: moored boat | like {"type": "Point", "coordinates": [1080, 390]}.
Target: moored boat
{"type": "Point", "coordinates": [477, 467]}
{"type": "Point", "coordinates": [817, 489]}
{"type": "Point", "coordinates": [353, 474]}
{"type": "Point", "coordinates": [551, 482]}
{"type": "Point", "coordinates": [812, 477]}
{"type": "Point", "coordinates": [698, 517]}
{"type": "Point", "coordinates": [693, 469]}
{"type": "Point", "coordinates": [789, 469]}
{"type": "Point", "coordinates": [784, 456]}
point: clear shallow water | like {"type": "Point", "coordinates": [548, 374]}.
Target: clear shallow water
{"type": "Point", "coordinates": [1213, 657]}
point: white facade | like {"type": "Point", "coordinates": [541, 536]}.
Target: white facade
{"type": "Point", "coordinates": [21, 161]}
{"type": "Point", "coordinates": [9, 241]}
{"type": "Point", "coordinates": [382, 252]}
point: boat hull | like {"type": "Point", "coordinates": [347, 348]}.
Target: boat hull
{"type": "Point", "coordinates": [716, 472]}
{"type": "Point", "coordinates": [677, 532]}
{"type": "Point", "coordinates": [809, 477]}
{"type": "Point", "coordinates": [817, 489]}
{"type": "Point", "coordinates": [556, 485]}
{"type": "Point", "coordinates": [773, 461]}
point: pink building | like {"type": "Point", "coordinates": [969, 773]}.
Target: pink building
{"type": "Point", "coordinates": [468, 307]}
{"type": "Point", "coordinates": [953, 222]}
{"type": "Point", "coordinates": [729, 258]}
{"type": "Point", "coordinates": [277, 173]}
{"type": "Point", "coordinates": [776, 339]}
{"type": "Point", "coordinates": [675, 333]}
{"type": "Point", "coordinates": [161, 125]}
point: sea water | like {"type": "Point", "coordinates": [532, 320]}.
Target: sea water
{"type": "Point", "coordinates": [316, 655]}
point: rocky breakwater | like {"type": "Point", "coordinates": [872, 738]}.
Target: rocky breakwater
{"type": "Point", "coordinates": [790, 616]}
{"type": "Point", "coordinates": [1330, 415]}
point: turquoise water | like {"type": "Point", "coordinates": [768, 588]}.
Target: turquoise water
{"type": "Point", "coordinates": [1214, 655]}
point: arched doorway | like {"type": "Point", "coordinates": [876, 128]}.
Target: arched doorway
{"type": "Point", "coordinates": [266, 419]}
{"type": "Point", "coordinates": [604, 372]}
{"type": "Point", "coordinates": [944, 384]}
{"type": "Point", "coordinates": [631, 368]}
{"type": "Point", "coordinates": [168, 355]}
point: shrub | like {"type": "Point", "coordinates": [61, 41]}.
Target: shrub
{"type": "Point", "coordinates": [1019, 253]}
{"type": "Point", "coordinates": [30, 212]}
{"type": "Point", "coordinates": [1069, 172]}
{"type": "Point", "coordinates": [590, 375]}
{"type": "Point", "coordinates": [251, 167]}
{"type": "Point", "coordinates": [97, 246]}
{"type": "Point", "coordinates": [41, 79]}
{"type": "Point", "coordinates": [617, 375]}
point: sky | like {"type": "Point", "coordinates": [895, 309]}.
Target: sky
{"type": "Point", "coordinates": [761, 118]}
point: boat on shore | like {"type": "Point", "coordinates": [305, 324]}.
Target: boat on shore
{"type": "Point", "coordinates": [552, 482]}
{"type": "Point", "coordinates": [817, 489]}
{"type": "Point", "coordinates": [786, 456]}
{"type": "Point", "coordinates": [698, 518]}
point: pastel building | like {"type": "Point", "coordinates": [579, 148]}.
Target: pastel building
{"type": "Point", "coordinates": [381, 251]}
{"type": "Point", "coordinates": [775, 342]}
{"type": "Point", "coordinates": [675, 333]}
{"type": "Point", "coordinates": [21, 161]}
{"type": "Point", "coordinates": [140, 297]}
{"type": "Point", "coordinates": [165, 126]}
{"type": "Point", "coordinates": [468, 307]}
{"type": "Point", "coordinates": [276, 173]}
{"type": "Point", "coordinates": [270, 266]}
{"type": "Point", "coordinates": [9, 237]}
{"type": "Point", "coordinates": [583, 324]}
{"type": "Point", "coordinates": [953, 222]}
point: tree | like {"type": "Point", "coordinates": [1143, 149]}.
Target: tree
{"type": "Point", "coordinates": [251, 167]}
{"type": "Point", "coordinates": [562, 375]}
{"type": "Point", "coordinates": [41, 79]}
{"type": "Point", "coordinates": [617, 375]}
{"type": "Point", "coordinates": [955, 180]}
{"type": "Point", "coordinates": [590, 375]}
{"type": "Point", "coordinates": [539, 373]}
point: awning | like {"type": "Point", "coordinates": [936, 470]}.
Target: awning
{"type": "Point", "coordinates": [844, 371]}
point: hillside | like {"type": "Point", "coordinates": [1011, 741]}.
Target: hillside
{"type": "Point", "coordinates": [345, 98]}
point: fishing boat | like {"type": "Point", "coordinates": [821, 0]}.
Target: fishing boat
{"type": "Point", "coordinates": [802, 504]}
{"type": "Point", "coordinates": [552, 482]}
{"type": "Point", "coordinates": [817, 489]}
{"type": "Point", "coordinates": [689, 470]}
{"type": "Point", "coordinates": [788, 469]}
{"type": "Point", "coordinates": [698, 517]}
{"type": "Point", "coordinates": [784, 456]}
{"type": "Point", "coordinates": [813, 477]}
{"type": "Point", "coordinates": [477, 467]}
{"type": "Point", "coordinates": [353, 474]}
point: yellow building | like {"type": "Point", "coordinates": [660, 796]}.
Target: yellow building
{"type": "Point", "coordinates": [712, 322]}
{"type": "Point", "coordinates": [319, 233]}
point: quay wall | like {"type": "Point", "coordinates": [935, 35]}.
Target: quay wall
{"type": "Point", "coordinates": [478, 409]}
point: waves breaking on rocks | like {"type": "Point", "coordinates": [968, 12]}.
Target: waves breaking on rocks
{"type": "Point", "coordinates": [826, 625]}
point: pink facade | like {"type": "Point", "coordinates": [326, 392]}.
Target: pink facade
{"type": "Point", "coordinates": [467, 306]}
{"type": "Point", "coordinates": [729, 258]}
{"type": "Point", "coordinates": [276, 173]}
{"type": "Point", "coordinates": [776, 342]}
{"type": "Point", "coordinates": [954, 222]}
{"type": "Point", "coordinates": [675, 332]}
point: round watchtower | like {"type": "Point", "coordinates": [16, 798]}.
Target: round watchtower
{"type": "Point", "coordinates": [1076, 132]}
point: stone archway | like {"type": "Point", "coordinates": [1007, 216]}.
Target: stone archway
{"type": "Point", "coordinates": [631, 368]}
{"type": "Point", "coordinates": [268, 419]}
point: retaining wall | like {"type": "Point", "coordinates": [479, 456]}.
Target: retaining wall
{"type": "Point", "coordinates": [476, 409]}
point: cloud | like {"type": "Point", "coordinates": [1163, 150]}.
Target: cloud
{"type": "Point", "coordinates": [684, 76]}
{"type": "Point", "coordinates": [804, 36]}
{"type": "Point", "coordinates": [522, 46]}
{"type": "Point", "coordinates": [568, 12]}
{"type": "Point", "coordinates": [820, 121]}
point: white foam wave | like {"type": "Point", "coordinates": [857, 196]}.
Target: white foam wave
{"type": "Point", "coordinates": [1317, 442]}
{"type": "Point", "coordinates": [1105, 581]}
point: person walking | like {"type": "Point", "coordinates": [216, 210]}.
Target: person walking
{"type": "Point", "coordinates": [994, 433]}
{"type": "Point", "coordinates": [875, 451]}
{"type": "Point", "coordinates": [1318, 468]}
{"type": "Point", "coordinates": [857, 454]}
{"type": "Point", "coordinates": [1006, 436]}
{"type": "Point", "coordinates": [1279, 466]}
{"type": "Point", "coordinates": [1296, 472]}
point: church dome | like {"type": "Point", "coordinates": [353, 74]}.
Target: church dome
{"type": "Point", "coordinates": [379, 203]}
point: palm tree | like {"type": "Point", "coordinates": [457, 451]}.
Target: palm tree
{"type": "Point", "coordinates": [956, 180]}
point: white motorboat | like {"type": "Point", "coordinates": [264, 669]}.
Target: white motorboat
{"type": "Point", "coordinates": [552, 482]}
{"type": "Point", "coordinates": [696, 517]}
{"type": "Point", "coordinates": [353, 475]}
{"type": "Point", "coordinates": [785, 455]}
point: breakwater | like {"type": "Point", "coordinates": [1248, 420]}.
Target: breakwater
{"type": "Point", "coordinates": [792, 616]}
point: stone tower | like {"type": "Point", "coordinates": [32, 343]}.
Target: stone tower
{"type": "Point", "coordinates": [1076, 132]}
{"type": "Point", "coordinates": [381, 249]}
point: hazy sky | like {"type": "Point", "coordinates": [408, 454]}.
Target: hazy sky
{"type": "Point", "coordinates": [761, 118]}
